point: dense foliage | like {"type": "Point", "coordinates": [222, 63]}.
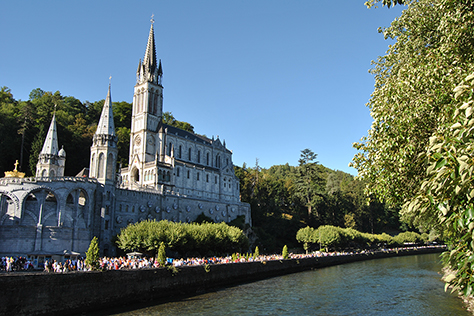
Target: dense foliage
{"type": "Point", "coordinates": [182, 238]}
{"type": "Point", "coordinates": [418, 153]}
{"type": "Point", "coordinates": [286, 198]}
{"type": "Point", "coordinates": [24, 124]}
{"type": "Point", "coordinates": [92, 255]}
{"type": "Point", "coordinates": [327, 236]}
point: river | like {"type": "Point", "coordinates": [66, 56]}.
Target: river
{"type": "Point", "coordinates": [409, 285]}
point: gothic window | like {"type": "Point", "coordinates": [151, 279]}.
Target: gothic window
{"type": "Point", "coordinates": [177, 172]}
{"type": "Point", "coordinates": [207, 178]}
{"type": "Point", "coordinates": [101, 166]}
{"type": "Point", "coordinates": [52, 174]}
{"type": "Point", "coordinates": [199, 156]}
{"type": "Point", "coordinates": [180, 151]}
{"type": "Point", "coordinates": [110, 166]}
{"type": "Point", "coordinates": [207, 159]}
{"type": "Point", "coordinates": [92, 165]}
{"type": "Point", "coordinates": [189, 154]}
{"type": "Point", "coordinates": [198, 176]}
{"type": "Point", "coordinates": [215, 180]}
{"type": "Point", "coordinates": [44, 173]}
{"type": "Point", "coordinates": [168, 178]}
{"type": "Point", "coordinates": [106, 225]}
{"type": "Point", "coordinates": [169, 149]}
{"type": "Point", "coordinates": [188, 174]}
{"type": "Point", "coordinates": [160, 175]}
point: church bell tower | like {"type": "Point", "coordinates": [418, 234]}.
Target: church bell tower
{"type": "Point", "coordinates": [147, 110]}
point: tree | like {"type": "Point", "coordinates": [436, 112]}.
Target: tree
{"type": "Point", "coordinates": [415, 153]}
{"type": "Point", "coordinates": [92, 254]}
{"type": "Point", "coordinates": [284, 252]}
{"type": "Point", "coordinates": [256, 253]}
{"type": "Point", "coordinates": [162, 254]}
{"type": "Point", "coordinates": [309, 184]}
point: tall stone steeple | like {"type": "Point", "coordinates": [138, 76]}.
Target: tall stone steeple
{"type": "Point", "coordinates": [104, 146]}
{"type": "Point", "coordinates": [51, 162]}
{"type": "Point", "coordinates": [146, 111]}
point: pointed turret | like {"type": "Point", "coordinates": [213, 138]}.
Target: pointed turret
{"type": "Point", "coordinates": [106, 123]}
{"type": "Point", "coordinates": [50, 146]}
{"type": "Point", "coordinates": [104, 146]}
{"type": "Point", "coordinates": [50, 163]}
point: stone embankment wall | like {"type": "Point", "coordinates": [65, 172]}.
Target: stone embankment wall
{"type": "Point", "coordinates": [76, 292]}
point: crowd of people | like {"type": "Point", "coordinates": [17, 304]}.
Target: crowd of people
{"type": "Point", "coordinates": [136, 262]}
{"type": "Point", "coordinates": [10, 264]}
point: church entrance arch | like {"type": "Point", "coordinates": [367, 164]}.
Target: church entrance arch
{"type": "Point", "coordinates": [135, 175]}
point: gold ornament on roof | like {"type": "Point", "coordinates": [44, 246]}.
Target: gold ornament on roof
{"type": "Point", "coordinates": [15, 173]}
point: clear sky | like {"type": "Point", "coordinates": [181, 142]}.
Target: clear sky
{"type": "Point", "coordinates": [270, 77]}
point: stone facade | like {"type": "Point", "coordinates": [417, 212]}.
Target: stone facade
{"type": "Point", "coordinates": [172, 175]}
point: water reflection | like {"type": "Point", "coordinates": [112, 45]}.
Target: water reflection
{"type": "Point", "coordinates": [394, 286]}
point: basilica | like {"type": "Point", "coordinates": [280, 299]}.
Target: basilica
{"type": "Point", "coordinates": [172, 175]}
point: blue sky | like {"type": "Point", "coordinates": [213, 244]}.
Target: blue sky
{"type": "Point", "coordinates": [271, 78]}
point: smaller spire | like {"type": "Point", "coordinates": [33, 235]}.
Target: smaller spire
{"type": "Point", "coordinates": [106, 123]}
{"type": "Point", "coordinates": [50, 146]}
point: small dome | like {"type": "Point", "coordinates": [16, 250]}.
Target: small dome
{"type": "Point", "coordinates": [62, 152]}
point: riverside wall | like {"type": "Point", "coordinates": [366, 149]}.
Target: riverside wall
{"type": "Point", "coordinates": [80, 292]}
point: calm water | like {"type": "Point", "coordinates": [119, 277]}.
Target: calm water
{"type": "Point", "coordinates": [394, 286]}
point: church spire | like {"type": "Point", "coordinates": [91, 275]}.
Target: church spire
{"type": "Point", "coordinates": [50, 146]}
{"type": "Point", "coordinates": [106, 123]}
{"type": "Point", "coordinates": [148, 70]}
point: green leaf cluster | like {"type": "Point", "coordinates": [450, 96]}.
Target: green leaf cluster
{"type": "Point", "coordinates": [418, 153]}
{"type": "Point", "coordinates": [183, 238]}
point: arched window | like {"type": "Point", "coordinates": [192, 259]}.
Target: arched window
{"type": "Point", "coordinates": [110, 166]}
{"type": "Point", "coordinates": [207, 159]}
{"type": "Point", "coordinates": [189, 154]}
{"type": "Point", "coordinates": [180, 151]}
{"type": "Point", "coordinates": [100, 167]}
{"type": "Point", "coordinates": [199, 156]}
{"type": "Point", "coordinates": [92, 165]}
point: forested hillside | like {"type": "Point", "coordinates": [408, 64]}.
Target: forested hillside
{"type": "Point", "coordinates": [283, 198]}
{"type": "Point", "coordinates": [24, 124]}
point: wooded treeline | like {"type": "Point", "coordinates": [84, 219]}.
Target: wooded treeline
{"type": "Point", "coordinates": [285, 198]}
{"type": "Point", "coordinates": [24, 125]}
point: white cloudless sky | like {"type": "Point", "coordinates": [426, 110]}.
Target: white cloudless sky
{"type": "Point", "coordinates": [270, 77]}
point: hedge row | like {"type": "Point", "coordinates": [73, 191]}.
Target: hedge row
{"type": "Point", "coordinates": [183, 238]}
{"type": "Point", "coordinates": [337, 237]}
